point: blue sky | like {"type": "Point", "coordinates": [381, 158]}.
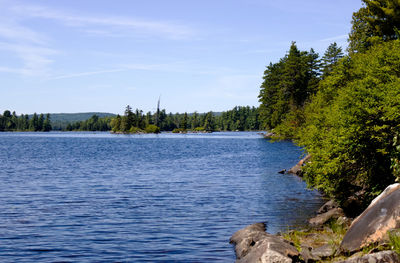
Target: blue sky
{"type": "Point", "coordinates": [101, 55]}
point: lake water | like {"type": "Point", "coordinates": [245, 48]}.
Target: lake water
{"type": "Point", "coordinates": [98, 197]}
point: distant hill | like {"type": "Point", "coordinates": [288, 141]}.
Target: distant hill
{"type": "Point", "coordinates": [61, 120]}
{"type": "Point", "coordinates": [74, 117]}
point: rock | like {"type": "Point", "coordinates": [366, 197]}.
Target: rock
{"type": "Point", "coordinates": [297, 168]}
{"type": "Point", "coordinates": [272, 249]}
{"type": "Point", "coordinates": [380, 257]}
{"type": "Point", "coordinates": [305, 253]}
{"type": "Point", "coordinates": [310, 254]}
{"type": "Point", "coordinates": [324, 251]}
{"type": "Point", "coordinates": [253, 244]}
{"type": "Point", "coordinates": [328, 206]}
{"type": "Point", "coordinates": [269, 135]}
{"type": "Point", "coordinates": [282, 171]}
{"type": "Point", "coordinates": [321, 219]}
{"type": "Point", "coordinates": [246, 238]}
{"type": "Point", "coordinates": [382, 215]}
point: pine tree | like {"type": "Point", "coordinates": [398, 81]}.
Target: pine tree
{"type": "Point", "coordinates": [47, 123]}
{"type": "Point", "coordinates": [330, 58]}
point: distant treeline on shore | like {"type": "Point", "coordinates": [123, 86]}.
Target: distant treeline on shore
{"type": "Point", "coordinates": [11, 122]}
{"type": "Point", "coordinates": [238, 119]}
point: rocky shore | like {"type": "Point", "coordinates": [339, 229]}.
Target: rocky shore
{"type": "Point", "coordinates": [331, 236]}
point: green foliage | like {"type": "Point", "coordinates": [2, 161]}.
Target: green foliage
{"type": "Point", "coordinates": [394, 243]}
{"type": "Point", "coordinates": [94, 123]}
{"type": "Point", "coordinates": [199, 129]}
{"type": "Point", "coordinates": [152, 129]}
{"type": "Point", "coordinates": [351, 123]}
{"type": "Point", "coordinates": [239, 118]}
{"type": "Point", "coordinates": [377, 21]}
{"type": "Point", "coordinates": [12, 122]}
{"type": "Point", "coordinates": [134, 129]}
{"type": "Point", "coordinates": [331, 57]}
{"type": "Point", "coordinates": [287, 85]}
{"type": "Point", "coordinates": [60, 121]}
{"type": "Point", "coordinates": [179, 130]}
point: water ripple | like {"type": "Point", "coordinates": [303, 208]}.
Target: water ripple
{"type": "Point", "coordinates": [96, 197]}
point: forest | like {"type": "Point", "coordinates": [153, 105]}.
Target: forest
{"type": "Point", "coordinates": [343, 108]}
{"type": "Point", "coordinates": [11, 122]}
{"type": "Point", "coordinates": [135, 121]}
{"type": "Point", "coordinates": [238, 119]}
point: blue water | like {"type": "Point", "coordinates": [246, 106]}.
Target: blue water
{"type": "Point", "coordinates": [97, 197]}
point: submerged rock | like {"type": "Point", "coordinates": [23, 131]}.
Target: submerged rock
{"type": "Point", "coordinates": [382, 215]}
{"type": "Point", "coordinates": [380, 257]}
{"type": "Point", "coordinates": [253, 244]}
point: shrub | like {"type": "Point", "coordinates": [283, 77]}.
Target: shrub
{"type": "Point", "coordinates": [351, 123]}
{"type": "Point", "coordinates": [152, 129]}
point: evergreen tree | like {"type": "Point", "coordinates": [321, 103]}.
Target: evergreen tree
{"type": "Point", "coordinates": [209, 122]}
{"type": "Point", "coordinates": [33, 123]}
{"type": "Point", "coordinates": [377, 21]}
{"type": "Point", "coordinates": [40, 123]}
{"type": "Point", "coordinates": [184, 122]}
{"type": "Point", "coordinates": [330, 58]}
{"type": "Point", "coordinates": [47, 123]}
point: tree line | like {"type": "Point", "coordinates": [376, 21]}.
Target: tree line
{"type": "Point", "coordinates": [12, 122]}
{"type": "Point", "coordinates": [343, 108]}
{"type": "Point", "coordinates": [238, 119]}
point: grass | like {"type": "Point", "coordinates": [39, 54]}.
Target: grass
{"type": "Point", "coordinates": [394, 240]}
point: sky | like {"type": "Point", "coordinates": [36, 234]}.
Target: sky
{"type": "Point", "coordinates": [196, 55]}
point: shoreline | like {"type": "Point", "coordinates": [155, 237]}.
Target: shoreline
{"type": "Point", "coordinates": [330, 236]}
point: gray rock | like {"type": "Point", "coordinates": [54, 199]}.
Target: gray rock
{"type": "Point", "coordinates": [321, 219]}
{"type": "Point", "coordinates": [272, 249]}
{"type": "Point", "coordinates": [382, 215]}
{"type": "Point", "coordinates": [324, 251]}
{"type": "Point", "coordinates": [253, 244]}
{"type": "Point", "coordinates": [305, 253]}
{"type": "Point", "coordinates": [246, 238]}
{"type": "Point", "coordinates": [380, 257]}
{"type": "Point", "coordinates": [328, 206]}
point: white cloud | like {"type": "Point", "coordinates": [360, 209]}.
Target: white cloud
{"type": "Point", "coordinates": [107, 25]}
{"type": "Point", "coordinates": [330, 39]}
{"type": "Point", "coordinates": [35, 59]}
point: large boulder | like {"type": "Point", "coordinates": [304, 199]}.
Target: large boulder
{"type": "Point", "coordinates": [380, 257]}
{"type": "Point", "coordinates": [246, 238]}
{"type": "Point", "coordinates": [253, 244]}
{"type": "Point", "coordinates": [372, 226]}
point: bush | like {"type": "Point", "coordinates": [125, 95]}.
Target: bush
{"type": "Point", "coordinates": [135, 130]}
{"type": "Point", "coordinates": [351, 123]}
{"type": "Point", "coordinates": [152, 129]}
{"type": "Point", "coordinates": [179, 130]}
{"type": "Point", "coordinates": [199, 129]}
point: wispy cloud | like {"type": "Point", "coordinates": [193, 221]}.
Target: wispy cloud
{"type": "Point", "coordinates": [107, 25]}
{"type": "Point", "coordinates": [82, 74]}
{"type": "Point", "coordinates": [335, 38]}
{"type": "Point", "coordinates": [35, 59]}
{"type": "Point", "coordinates": [28, 46]}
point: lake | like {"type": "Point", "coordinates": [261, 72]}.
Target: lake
{"type": "Point", "coordinates": [98, 197]}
